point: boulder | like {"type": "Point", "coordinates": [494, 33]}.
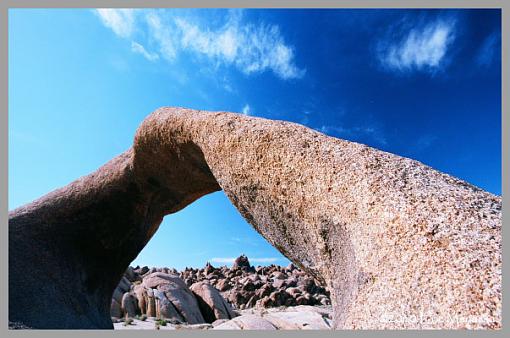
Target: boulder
{"type": "Point", "coordinates": [212, 305]}
{"type": "Point", "coordinates": [131, 275]}
{"type": "Point", "coordinates": [279, 283]}
{"type": "Point", "coordinates": [301, 300]}
{"type": "Point", "coordinates": [278, 297]}
{"type": "Point", "coordinates": [166, 309]}
{"type": "Point", "coordinates": [223, 285]}
{"type": "Point", "coordinates": [218, 322]}
{"type": "Point", "coordinates": [118, 294]}
{"type": "Point", "coordinates": [241, 262]}
{"type": "Point", "coordinates": [176, 292]}
{"type": "Point", "coordinates": [291, 281]}
{"type": "Point", "coordinates": [115, 310]}
{"type": "Point", "coordinates": [297, 320]}
{"type": "Point", "coordinates": [264, 291]}
{"type": "Point", "coordinates": [129, 304]}
{"type": "Point", "coordinates": [293, 291]}
{"type": "Point", "coordinates": [141, 296]}
{"type": "Point", "coordinates": [151, 304]}
{"type": "Point", "coordinates": [246, 322]}
{"type": "Point", "coordinates": [278, 275]}
{"type": "Point", "coordinates": [208, 268]}
{"type": "Point", "coordinates": [248, 286]}
{"type": "Point", "coordinates": [124, 285]}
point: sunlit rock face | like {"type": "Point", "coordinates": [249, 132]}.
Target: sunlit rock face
{"type": "Point", "coordinates": [218, 291]}
{"type": "Point", "coordinates": [398, 244]}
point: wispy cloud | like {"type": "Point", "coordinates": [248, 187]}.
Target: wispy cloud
{"type": "Point", "coordinates": [225, 260]}
{"type": "Point", "coordinates": [264, 260]}
{"type": "Point", "coordinates": [226, 84]}
{"type": "Point", "coordinates": [230, 260]}
{"type": "Point", "coordinates": [353, 133]}
{"type": "Point", "coordinates": [251, 48]}
{"type": "Point", "coordinates": [162, 35]}
{"type": "Point", "coordinates": [422, 48]}
{"type": "Point", "coordinates": [138, 48]}
{"type": "Point", "coordinates": [487, 51]}
{"type": "Point", "coordinates": [425, 141]}
{"type": "Point", "coordinates": [120, 20]}
{"type": "Point", "coordinates": [246, 109]}
{"type": "Point", "coordinates": [421, 143]}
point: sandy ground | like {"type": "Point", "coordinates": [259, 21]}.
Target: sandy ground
{"type": "Point", "coordinates": [296, 317]}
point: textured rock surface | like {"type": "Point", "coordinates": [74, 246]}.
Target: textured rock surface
{"type": "Point", "coordinates": [265, 286]}
{"type": "Point", "coordinates": [398, 244]}
{"type": "Point", "coordinates": [175, 297]}
{"type": "Point", "coordinates": [211, 303]}
{"type": "Point", "coordinates": [248, 287]}
{"type": "Point", "coordinates": [246, 322]}
{"type": "Point", "coordinates": [242, 262]}
{"type": "Point", "coordinates": [128, 304]}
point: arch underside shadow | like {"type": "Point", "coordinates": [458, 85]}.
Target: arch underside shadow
{"type": "Point", "coordinates": [348, 214]}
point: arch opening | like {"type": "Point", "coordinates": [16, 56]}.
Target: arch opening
{"type": "Point", "coordinates": [208, 230]}
{"type": "Point", "coordinates": [346, 213]}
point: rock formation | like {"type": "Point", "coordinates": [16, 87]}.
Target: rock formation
{"type": "Point", "coordinates": [398, 244]}
{"type": "Point", "coordinates": [303, 317]}
{"type": "Point", "coordinates": [242, 262]}
{"type": "Point", "coordinates": [160, 292]}
{"type": "Point", "coordinates": [212, 304]}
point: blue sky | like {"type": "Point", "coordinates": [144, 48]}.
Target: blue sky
{"type": "Point", "coordinates": [423, 84]}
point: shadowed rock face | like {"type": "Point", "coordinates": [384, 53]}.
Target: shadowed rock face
{"type": "Point", "coordinates": [398, 244]}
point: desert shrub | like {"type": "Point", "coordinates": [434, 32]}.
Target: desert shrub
{"type": "Point", "coordinates": [161, 322]}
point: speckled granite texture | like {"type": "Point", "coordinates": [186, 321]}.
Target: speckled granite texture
{"type": "Point", "coordinates": [399, 244]}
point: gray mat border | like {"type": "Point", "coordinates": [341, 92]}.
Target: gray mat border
{"type": "Point", "coordinates": [6, 4]}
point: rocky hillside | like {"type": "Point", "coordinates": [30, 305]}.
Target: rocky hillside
{"type": "Point", "coordinates": [195, 296]}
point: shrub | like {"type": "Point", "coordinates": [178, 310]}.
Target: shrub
{"type": "Point", "coordinates": [161, 322]}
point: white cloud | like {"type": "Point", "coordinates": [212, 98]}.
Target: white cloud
{"type": "Point", "coordinates": [138, 48]}
{"type": "Point", "coordinates": [163, 36]}
{"type": "Point", "coordinates": [230, 260]}
{"type": "Point", "coordinates": [252, 48]}
{"type": "Point", "coordinates": [422, 48]}
{"type": "Point", "coordinates": [120, 20]}
{"type": "Point", "coordinates": [263, 260]}
{"type": "Point", "coordinates": [246, 110]}
{"type": "Point", "coordinates": [488, 50]}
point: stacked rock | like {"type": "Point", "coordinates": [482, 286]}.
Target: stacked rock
{"type": "Point", "coordinates": [266, 286]}
{"type": "Point", "coordinates": [196, 296]}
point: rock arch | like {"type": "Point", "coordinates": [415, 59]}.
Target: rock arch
{"type": "Point", "coordinates": [398, 243]}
